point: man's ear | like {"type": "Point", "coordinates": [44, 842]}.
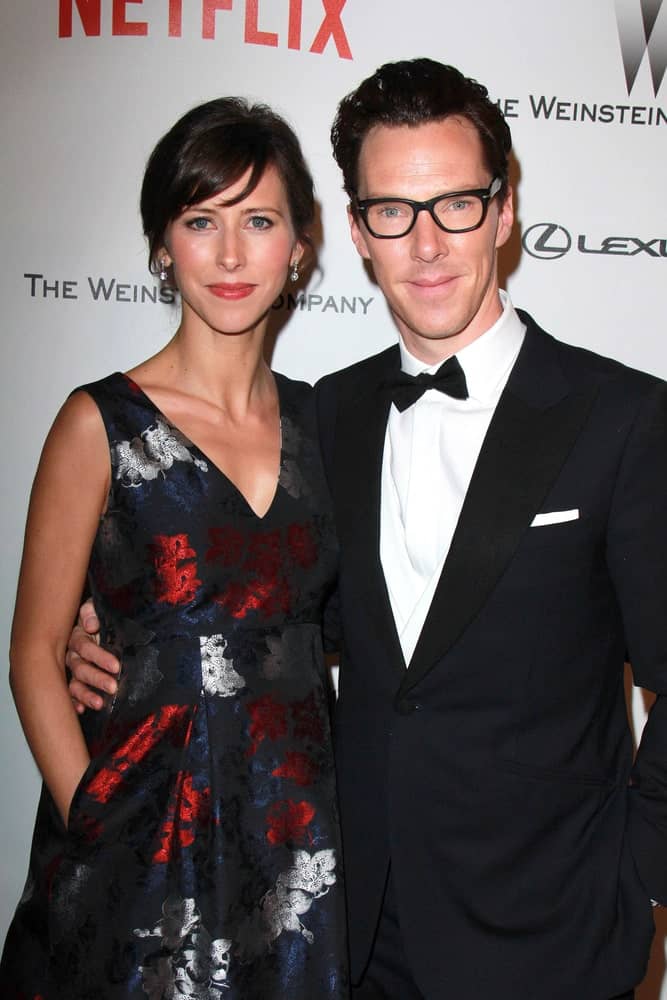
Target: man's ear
{"type": "Point", "coordinates": [357, 234]}
{"type": "Point", "coordinates": [505, 219]}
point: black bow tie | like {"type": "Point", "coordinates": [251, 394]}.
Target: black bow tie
{"type": "Point", "coordinates": [449, 378]}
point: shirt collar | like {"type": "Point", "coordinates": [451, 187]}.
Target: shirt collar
{"type": "Point", "coordinates": [487, 361]}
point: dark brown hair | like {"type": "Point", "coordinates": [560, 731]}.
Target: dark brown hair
{"type": "Point", "coordinates": [415, 92]}
{"type": "Point", "coordinates": [212, 147]}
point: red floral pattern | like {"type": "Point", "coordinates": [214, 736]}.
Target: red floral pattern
{"type": "Point", "coordinates": [287, 822]}
{"type": "Point", "coordinates": [202, 853]}
{"type": "Point", "coordinates": [176, 580]}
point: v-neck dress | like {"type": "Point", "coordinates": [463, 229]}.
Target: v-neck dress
{"type": "Point", "coordinates": [202, 855]}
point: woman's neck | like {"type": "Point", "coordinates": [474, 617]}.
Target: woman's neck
{"type": "Point", "coordinates": [229, 371]}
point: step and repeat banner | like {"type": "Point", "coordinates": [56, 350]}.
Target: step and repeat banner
{"type": "Point", "coordinates": [88, 86]}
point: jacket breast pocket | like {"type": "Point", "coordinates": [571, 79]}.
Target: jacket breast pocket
{"type": "Point", "coordinates": [572, 533]}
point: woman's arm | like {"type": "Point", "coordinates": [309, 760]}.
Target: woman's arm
{"type": "Point", "coordinates": [67, 500]}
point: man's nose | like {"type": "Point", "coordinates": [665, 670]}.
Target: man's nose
{"type": "Point", "coordinates": [428, 239]}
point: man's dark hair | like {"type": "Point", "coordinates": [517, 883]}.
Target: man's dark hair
{"type": "Point", "coordinates": [212, 147]}
{"type": "Point", "coordinates": [414, 92]}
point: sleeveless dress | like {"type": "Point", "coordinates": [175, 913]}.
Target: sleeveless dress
{"type": "Point", "coordinates": [202, 856]}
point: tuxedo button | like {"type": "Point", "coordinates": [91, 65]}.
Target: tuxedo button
{"type": "Point", "coordinates": [406, 706]}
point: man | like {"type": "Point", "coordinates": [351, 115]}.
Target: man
{"type": "Point", "coordinates": [503, 548]}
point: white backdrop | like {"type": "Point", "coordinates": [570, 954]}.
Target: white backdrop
{"type": "Point", "coordinates": [88, 86]}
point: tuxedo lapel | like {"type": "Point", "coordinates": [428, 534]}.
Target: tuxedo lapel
{"type": "Point", "coordinates": [535, 425]}
{"type": "Point", "coordinates": [360, 434]}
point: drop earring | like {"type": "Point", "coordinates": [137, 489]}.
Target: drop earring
{"type": "Point", "coordinates": [294, 272]}
{"type": "Point", "coordinates": [162, 273]}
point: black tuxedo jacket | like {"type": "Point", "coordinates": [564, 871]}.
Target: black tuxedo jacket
{"type": "Point", "coordinates": [495, 773]}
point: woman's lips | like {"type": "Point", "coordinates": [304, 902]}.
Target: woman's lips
{"type": "Point", "coordinates": [231, 291]}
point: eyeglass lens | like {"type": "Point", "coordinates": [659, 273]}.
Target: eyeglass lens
{"type": "Point", "coordinates": [455, 213]}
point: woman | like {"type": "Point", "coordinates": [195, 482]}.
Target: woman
{"type": "Point", "coordinates": [186, 842]}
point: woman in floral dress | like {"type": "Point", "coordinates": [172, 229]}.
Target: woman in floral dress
{"type": "Point", "coordinates": [186, 843]}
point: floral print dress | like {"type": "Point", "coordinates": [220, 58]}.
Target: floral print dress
{"type": "Point", "coordinates": [201, 858]}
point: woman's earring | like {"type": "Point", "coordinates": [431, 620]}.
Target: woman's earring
{"type": "Point", "coordinates": [294, 272]}
{"type": "Point", "coordinates": [162, 274]}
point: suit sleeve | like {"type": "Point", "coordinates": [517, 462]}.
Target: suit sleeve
{"type": "Point", "coordinates": [637, 558]}
{"type": "Point", "coordinates": [326, 421]}
{"type": "Point", "coordinates": [325, 407]}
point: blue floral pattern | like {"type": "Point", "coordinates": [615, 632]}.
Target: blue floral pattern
{"type": "Point", "coordinates": [202, 858]}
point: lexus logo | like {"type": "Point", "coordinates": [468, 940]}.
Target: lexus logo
{"type": "Point", "coordinates": [642, 28]}
{"type": "Point", "coordinates": [549, 241]}
{"type": "Point", "coordinates": [546, 241]}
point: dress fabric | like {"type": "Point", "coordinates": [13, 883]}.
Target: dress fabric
{"type": "Point", "coordinates": [202, 856]}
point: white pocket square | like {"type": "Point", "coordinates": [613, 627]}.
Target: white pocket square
{"type": "Point", "coordinates": [555, 517]}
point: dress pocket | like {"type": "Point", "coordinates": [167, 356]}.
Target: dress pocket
{"type": "Point", "coordinates": [74, 808]}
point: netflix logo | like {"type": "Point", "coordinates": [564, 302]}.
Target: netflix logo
{"type": "Point", "coordinates": [126, 19]}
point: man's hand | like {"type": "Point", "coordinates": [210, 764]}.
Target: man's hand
{"type": "Point", "coordinates": [92, 667]}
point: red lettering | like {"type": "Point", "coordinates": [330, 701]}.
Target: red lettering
{"type": "Point", "coordinates": [175, 18]}
{"type": "Point", "coordinates": [119, 23]}
{"type": "Point", "coordinates": [332, 27]}
{"type": "Point", "coordinates": [90, 18]}
{"type": "Point", "coordinates": [209, 9]}
{"type": "Point", "coordinates": [89, 13]}
{"type": "Point", "coordinates": [294, 29]}
{"type": "Point", "coordinates": [252, 34]}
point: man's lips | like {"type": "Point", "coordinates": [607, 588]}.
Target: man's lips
{"type": "Point", "coordinates": [231, 291]}
{"type": "Point", "coordinates": [427, 283]}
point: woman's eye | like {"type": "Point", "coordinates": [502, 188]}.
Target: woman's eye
{"type": "Point", "coordinates": [200, 222]}
{"type": "Point", "coordinates": [259, 222]}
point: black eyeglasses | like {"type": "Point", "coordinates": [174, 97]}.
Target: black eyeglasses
{"type": "Point", "coordinates": [456, 212]}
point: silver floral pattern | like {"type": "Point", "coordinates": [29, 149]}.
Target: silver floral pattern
{"type": "Point", "coordinates": [217, 671]}
{"type": "Point", "coordinates": [196, 966]}
{"type": "Point", "coordinates": [199, 861]}
{"type": "Point", "coordinates": [292, 478]}
{"type": "Point", "coordinates": [295, 891]}
{"type": "Point", "coordinates": [152, 454]}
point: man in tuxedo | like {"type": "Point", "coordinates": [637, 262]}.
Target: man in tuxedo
{"type": "Point", "coordinates": [500, 504]}
{"type": "Point", "coordinates": [504, 542]}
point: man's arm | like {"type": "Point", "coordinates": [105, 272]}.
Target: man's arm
{"type": "Point", "coordinates": [637, 559]}
{"type": "Point", "coordinates": [92, 667]}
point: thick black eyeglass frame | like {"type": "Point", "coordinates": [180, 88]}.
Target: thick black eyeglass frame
{"type": "Point", "coordinates": [485, 194]}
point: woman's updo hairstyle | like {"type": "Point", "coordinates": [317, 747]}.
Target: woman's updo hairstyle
{"type": "Point", "coordinates": [210, 148]}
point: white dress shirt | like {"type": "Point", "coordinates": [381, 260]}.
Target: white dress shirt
{"type": "Point", "coordinates": [430, 451]}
